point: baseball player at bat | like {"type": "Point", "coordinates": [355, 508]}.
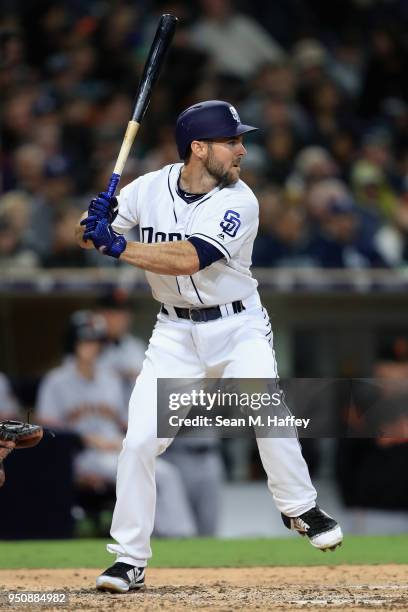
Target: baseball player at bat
{"type": "Point", "coordinates": [198, 223]}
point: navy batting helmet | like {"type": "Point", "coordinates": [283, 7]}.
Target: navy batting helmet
{"type": "Point", "coordinates": [84, 325]}
{"type": "Point", "coordinates": [206, 120]}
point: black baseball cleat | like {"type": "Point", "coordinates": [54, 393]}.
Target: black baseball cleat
{"type": "Point", "coordinates": [121, 578]}
{"type": "Point", "coordinates": [321, 529]}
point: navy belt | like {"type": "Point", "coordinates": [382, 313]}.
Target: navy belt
{"type": "Point", "coordinates": [201, 315]}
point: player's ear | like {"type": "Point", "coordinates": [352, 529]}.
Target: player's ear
{"type": "Point", "coordinates": [199, 148]}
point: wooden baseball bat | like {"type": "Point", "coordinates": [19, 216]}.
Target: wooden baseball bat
{"type": "Point", "coordinates": [164, 34]}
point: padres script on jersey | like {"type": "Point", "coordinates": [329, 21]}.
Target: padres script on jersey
{"type": "Point", "coordinates": [227, 218]}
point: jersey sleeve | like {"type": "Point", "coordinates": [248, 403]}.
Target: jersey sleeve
{"type": "Point", "coordinates": [48, 405]}
{"type": "Point", "coordinates": [207, 252]}
{"type": "Point", "coordinates": [127, 216]}
{"type": "Point", "coordinates": [227, 227]}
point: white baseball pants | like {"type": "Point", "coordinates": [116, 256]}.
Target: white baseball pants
{"type": "Point", "coordinates": [237, 346]}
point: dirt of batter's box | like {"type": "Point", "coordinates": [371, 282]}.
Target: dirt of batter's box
{"type": "Point", "coordinates": [338, 588]}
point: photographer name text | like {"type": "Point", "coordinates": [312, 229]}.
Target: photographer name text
{"type": "Point", "coordinates": [248, 421]}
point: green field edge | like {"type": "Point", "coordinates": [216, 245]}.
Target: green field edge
{"type": "Point", "coordinates": [207, 552]}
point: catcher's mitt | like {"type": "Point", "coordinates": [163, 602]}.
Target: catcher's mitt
{"type": "Point", "coordinates": [15, 434]}
{"type": "Point", "coordinates": [24, 435]}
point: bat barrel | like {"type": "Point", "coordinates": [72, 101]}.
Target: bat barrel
{"type": "Point", "coordinates": [164, 34]}
{"type": "Point", "coordinates": [161, 42]}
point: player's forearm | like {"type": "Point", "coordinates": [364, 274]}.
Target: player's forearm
{"type": "Point", "coordinates": [173, 258]}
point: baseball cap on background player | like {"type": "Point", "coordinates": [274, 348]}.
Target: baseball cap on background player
{"type": "Point", "coordinates": [117, 299]}
{"type": "Point", "coordinates": [84, 325]}
{"type": "Point", "coordinates": [117, 311]}
{"type": "Point", "coordinates": [206, 120]}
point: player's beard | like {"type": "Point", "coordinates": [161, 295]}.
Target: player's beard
{"type": "Point", "coordinates": [217, 171]}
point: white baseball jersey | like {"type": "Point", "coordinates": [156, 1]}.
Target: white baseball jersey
{"type": "Point", "coordinates": [125, 357]}
{"type": "Point", "coordinates": [227, 218]}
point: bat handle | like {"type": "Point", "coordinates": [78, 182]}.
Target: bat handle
{"type": "Point", "coordinates": [128, 139]}
{"type": "Point", "coordinates": [113, 183]}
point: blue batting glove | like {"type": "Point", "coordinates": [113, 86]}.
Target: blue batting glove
{"type": "Point", "coordinates": [104, 238]}
{"type": "Point", "coordinates": [90, 223]}
{"type": "Point", "coordinates": [103, 207]}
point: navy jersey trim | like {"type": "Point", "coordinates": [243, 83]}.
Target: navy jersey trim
{"type": "Point", "coordinates": [189, 198]}
{"type": "Point", "coordinates": [196, 290]}
{"type": "Point", "coordinates": [181, 198]}
{"type": "Point", "coordinates": [211, 238]}
{"type": "Point", "coordinates": [172, 196]}
{"type": "Point", "coordinates": [207, 252]}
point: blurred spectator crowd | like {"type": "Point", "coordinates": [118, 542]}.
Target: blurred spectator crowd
{"type": "Point", "coordinates": [325, 83]}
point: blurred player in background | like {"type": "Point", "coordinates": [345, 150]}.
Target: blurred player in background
{"type": "Point", "coordinates": [122, 352]}
{"type": "Point", "coordinates": [87, 398]}
{"type": "Point", "coordinates": [201, 469]}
